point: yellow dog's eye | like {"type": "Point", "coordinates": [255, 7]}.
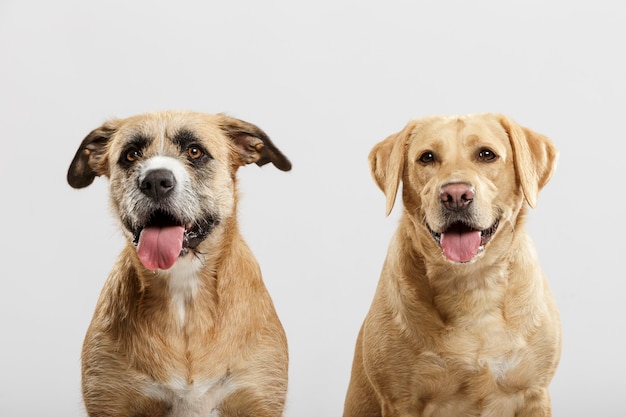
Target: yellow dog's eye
{"type": "Point", "coordinates": [487, 155]}
{"type": "Point", "coordinates": [194, 152]}
{"type": "Point", "coordinates": [427, 158]}
{"type": "Point", "coordinates": [133, 155]}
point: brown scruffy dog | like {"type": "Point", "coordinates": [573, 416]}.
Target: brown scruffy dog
{"type": "Point", "coordinates": [463, 322]}
{"type": "Point", "coordinates": [184, 325]}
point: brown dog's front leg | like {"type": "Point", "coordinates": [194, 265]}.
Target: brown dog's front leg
{"type": "Point", "coordinates": [248, 403]}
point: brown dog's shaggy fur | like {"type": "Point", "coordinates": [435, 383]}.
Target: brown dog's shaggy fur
{"type": "Point", "coordinates": [184, 325]}
{"type": "Point", "coordinates": [463, 322]}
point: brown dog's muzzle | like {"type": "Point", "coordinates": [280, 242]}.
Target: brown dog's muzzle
{"type": "Point", "coordinates": [162, 235]}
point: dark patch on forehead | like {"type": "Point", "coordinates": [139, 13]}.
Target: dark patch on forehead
{"type": "Point", "coordinates": [184, 137]}
{"type": "Point", "coordinates": [139, 141]}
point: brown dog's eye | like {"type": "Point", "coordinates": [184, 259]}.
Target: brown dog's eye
{"type": "Point", "coordinates": [427, 157]}
{"type": "Point", "coordinates": [194, 152]}
{"type": "Point", "coordinates": [133, 155]}
{"type": "Point", "coordinates": [487, 155]}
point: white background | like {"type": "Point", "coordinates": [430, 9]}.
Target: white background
{"type": "Point", "coordinates": [326, 80]}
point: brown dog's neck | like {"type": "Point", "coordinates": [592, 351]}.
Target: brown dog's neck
{"type": "Point", "coordinates": [193, 288]}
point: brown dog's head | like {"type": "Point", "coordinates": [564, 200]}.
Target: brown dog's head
{"type": "Point", "coordinates": [463, 176]}
{"type": "Point", "coordinates": [171, 175]}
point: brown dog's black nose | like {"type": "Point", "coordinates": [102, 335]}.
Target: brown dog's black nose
{"type": "Point", "coordinates": [158, 183]}
{"type": "Point", "coordinates": [456, 196]}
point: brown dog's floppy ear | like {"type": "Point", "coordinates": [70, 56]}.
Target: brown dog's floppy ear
{"type": "Point", "coordinates": [387, 163]}
{"type": "Point", "coordinates": [90, 158]}
{"type": "Point", "coordinates": [253, 144]}
{"type": "Point", "coordinates": [534, 156]}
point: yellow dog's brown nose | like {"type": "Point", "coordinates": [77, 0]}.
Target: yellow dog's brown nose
{"type": "Point", "coordinates": [456, 196]}
{"type": "Point", "coordinates": [158, 184]}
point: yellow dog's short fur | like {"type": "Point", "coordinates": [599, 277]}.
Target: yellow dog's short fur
{"type": "Point", "coordinates": [474, 338]}
{"type": "Point", "coordinates": [200, 338]}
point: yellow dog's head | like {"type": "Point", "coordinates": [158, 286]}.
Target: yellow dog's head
{"type": "Point", "coordinates": [463, 177]}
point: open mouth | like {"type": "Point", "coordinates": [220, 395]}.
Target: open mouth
{"type": "Point", "coordinates": [461, 242]}
{"type": "Point", "coordinates": [164, 238]}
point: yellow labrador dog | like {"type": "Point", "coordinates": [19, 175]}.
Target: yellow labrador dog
{"type": "Point", "coordinates": [463, 322]}
{"type": "Point", "coordinates": [184, 325]}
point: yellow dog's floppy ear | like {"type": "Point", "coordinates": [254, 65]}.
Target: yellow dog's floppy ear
{"type": "Point", "coordinates": [387, 163]}
{"type": "Point", "coordinates": [90, 158]}
{"type": "Point", "coordinates": [534, 156]}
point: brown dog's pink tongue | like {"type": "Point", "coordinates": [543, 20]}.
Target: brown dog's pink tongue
{"type": "Point", "coordinates": [460, 247]}
{"type": "Point", "coordinates": [159, 247]}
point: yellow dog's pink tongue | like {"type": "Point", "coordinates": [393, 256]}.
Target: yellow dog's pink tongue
{"type": "Point", "coordinates": [159, 247]}
{"type": "Point", "coordinates": [460, 247]}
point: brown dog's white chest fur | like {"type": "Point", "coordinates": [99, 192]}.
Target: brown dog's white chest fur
{"type": "Point", "coordinates": [199, 398]}
{"type": "Point", "coordinates": [462, 322]}
{"type": "Point", "coordinates": [183, 280]}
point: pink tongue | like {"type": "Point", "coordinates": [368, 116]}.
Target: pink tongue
{"type": "Point", "coordinates": [460, 247]}
{"type": "Point", "coordinates": [159, 247]}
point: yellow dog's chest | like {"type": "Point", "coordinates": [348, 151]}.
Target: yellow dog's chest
{"type": "Point", "coordinates": [477, 367]}
{"type": "Point", "coordinates": [483, 348]}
